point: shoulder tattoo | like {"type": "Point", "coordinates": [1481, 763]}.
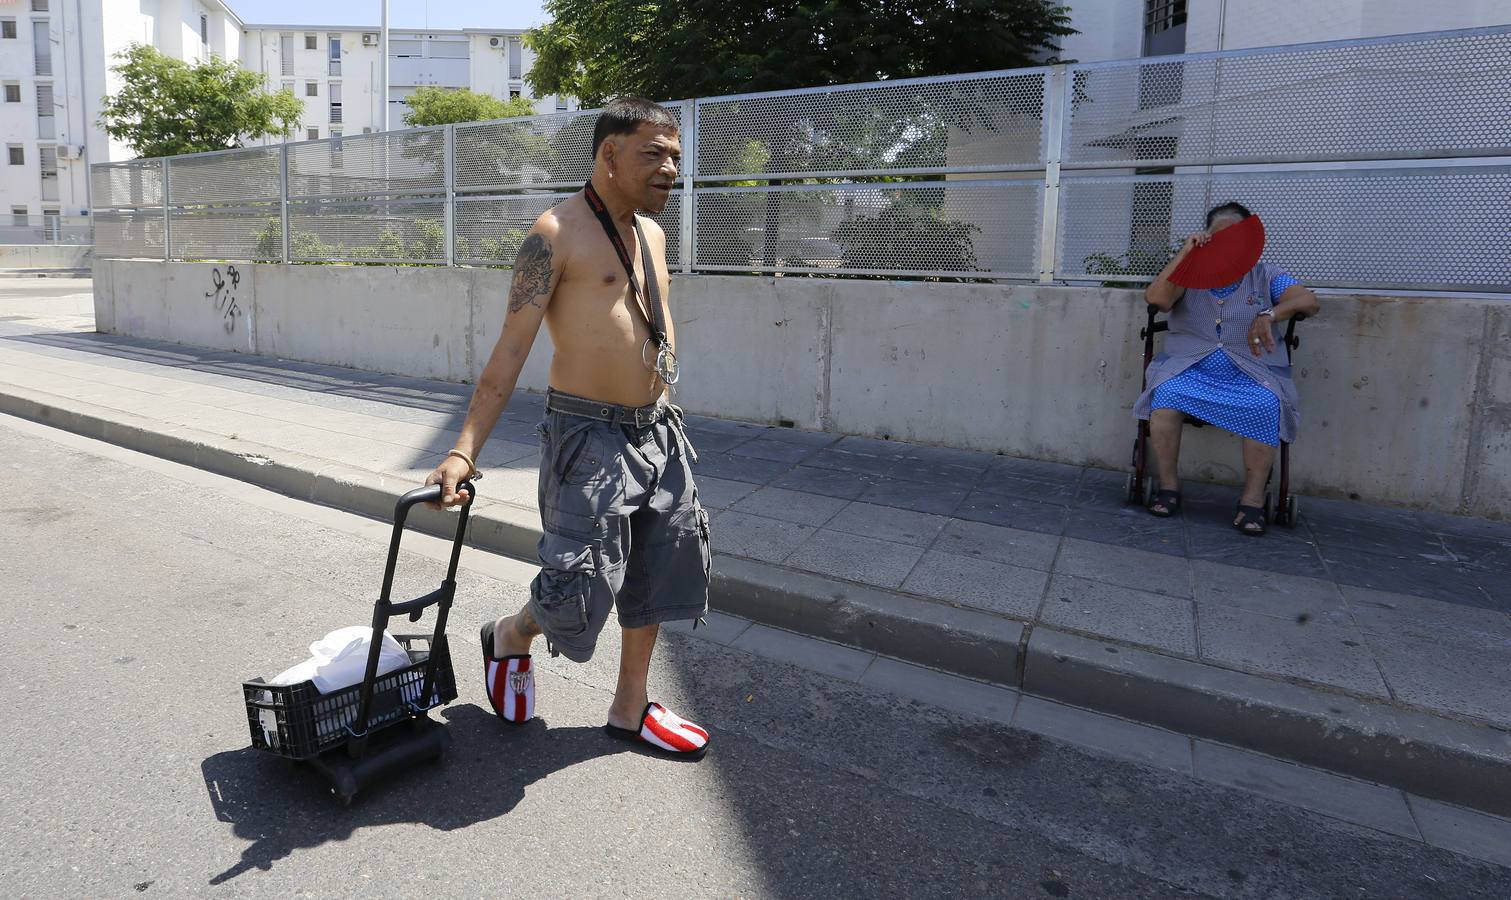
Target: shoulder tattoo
{"type": "Point", "coordinates": [532, 274]}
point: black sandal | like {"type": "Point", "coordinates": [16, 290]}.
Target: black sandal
{"type": "Point", "coordinates": [1170, 500]}
{"type": "Point", "coordinates": [1247, 516]}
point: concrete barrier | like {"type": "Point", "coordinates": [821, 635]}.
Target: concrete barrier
{"type": "Point", "coordinates": [1405, 400]}
{"type": "Point", "coordinates": [46, 256]}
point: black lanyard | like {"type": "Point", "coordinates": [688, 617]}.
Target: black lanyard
{"type": "Point", "coordinates": [651, 298]}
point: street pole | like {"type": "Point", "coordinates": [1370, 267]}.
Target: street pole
{"type": "Point", "coordinates": [383, 69]}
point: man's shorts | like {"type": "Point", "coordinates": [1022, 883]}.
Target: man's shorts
{"type": "Point", "coordinates": [621, 520]}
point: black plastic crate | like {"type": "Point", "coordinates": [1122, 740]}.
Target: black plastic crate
{"type": "Point", "coordinates": [299, 722]}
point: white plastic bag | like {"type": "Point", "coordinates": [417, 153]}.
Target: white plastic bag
{"type": "Point", "coordinates": [339, 659]}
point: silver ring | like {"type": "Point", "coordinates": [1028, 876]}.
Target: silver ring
{"type": "Point", "coordinates": [1254, 341]}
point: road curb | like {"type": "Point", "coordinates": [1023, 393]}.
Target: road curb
{"type": "Point", "coordinates": [1427, 755]}
{"type": "Point", "coordinates": [1421, 753]}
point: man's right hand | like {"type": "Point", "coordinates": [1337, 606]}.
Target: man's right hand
{"type": "Point", "coordinates": [448, 474]}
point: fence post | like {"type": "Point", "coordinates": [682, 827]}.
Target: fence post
{"type": "Point", "coordinates": [449, 173]}
{"type": "Point", "coordinates": [283, 203]}
{"type": "Point", "coordinates": [167, 214]}
{"type": "Point", "coordinates": [689, 172]}
{"type": "Point", "coordinates": [1057, 88]}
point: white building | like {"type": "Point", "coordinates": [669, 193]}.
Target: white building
{"type": "Point", "coordinates": [335, 70]}
{"type": "Point", "coordinates": [54, 65]}
{"type": "Point", "coordinates": [55, 59]}
{"type": "Point", "coordinates": [1124, 29]}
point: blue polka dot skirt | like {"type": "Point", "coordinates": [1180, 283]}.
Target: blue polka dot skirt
{"type": "Point", "coordinates": [1219, 393]}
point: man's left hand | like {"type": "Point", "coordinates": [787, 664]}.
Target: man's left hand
{"type": "Point", "coordinates": [1261, 336]}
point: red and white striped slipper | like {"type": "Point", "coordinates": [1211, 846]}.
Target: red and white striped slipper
{"type": "Point", "coordinates": [510, 681]}
{"type": "Point", "coordinates": [666, 733]}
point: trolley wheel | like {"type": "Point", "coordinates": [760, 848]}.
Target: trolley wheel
{"type": "Point", "coordinates": [1290, 511]}
{"type": "Point", "coordinates": [1131, 489]}
{"type": "Point", "coordinates": [343, 799]}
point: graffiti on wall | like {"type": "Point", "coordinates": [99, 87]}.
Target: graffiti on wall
{"type": "Point", "coordinates": [223, 295]}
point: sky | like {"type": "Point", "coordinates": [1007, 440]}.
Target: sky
{"type": "Point", "coordinates": [401, 13]}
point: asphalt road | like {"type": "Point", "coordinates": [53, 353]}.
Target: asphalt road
{"type": "Point", "coordinates": [135, 596]}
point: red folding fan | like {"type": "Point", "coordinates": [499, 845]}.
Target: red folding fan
{"type": "Point", "coordinates": [1227, 257]}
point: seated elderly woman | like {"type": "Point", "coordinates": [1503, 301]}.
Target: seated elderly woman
{"type": "Point", "coordinates": [1221, 364]}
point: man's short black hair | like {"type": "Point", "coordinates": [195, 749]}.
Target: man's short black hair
{"type": "Point", "coordinates": [1229, 208]}
{"type": "Point", "coordinates": [625, 115]}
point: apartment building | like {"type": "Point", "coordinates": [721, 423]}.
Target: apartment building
{"type": "Point", "coordinates": [335, 70]}
{"type": "Point", "coordinates": [55, 59]}
{"type": "Point", "coordinates": [1124, 29]}
{"type": "Point", "coordinates": [54, 72]}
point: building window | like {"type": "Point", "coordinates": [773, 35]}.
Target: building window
{"type": "Point", "coordinates": [41, 36]}
{"type": "Point", "coordinates": [8, 29]}
{"type": "Point", "coordinates": [1163, 15]}
{"type": "Point", "coordinates": [312, 134]}
{"type": "Point", "coordinates": [13, 92]}
{"type": "Point", "coordinates": [514, 93]}
{"type": "Point", "coordinates": [312, 89]}
{"type": "Point", "coordinates": [39, 5]}
{"type": "Point", "coordinates": [288, 86]}
{"type": "Point", "coordinates": [335, 91]}
{"type": "Point", "coordinates": [311, 42]}
{"type": "Point", "coordinates": [286, 54]}
{"type": "Point", "coordinates": [366, 129]}
{"type": "Point", "coordinates": [561, 104]}
{"type": "Point", "coordinates": [52, 224]}
{"type": "Point", "coordinates": [18, 217]}
{"type": "Point", "coordinates": [45, 112]}
{"type": "Point", "coordinates": [516, 58]}
{"type": "Point", "coordinates": [17, 154]}
{"type": "Point", "coordinates": [204, 37]}
{"type": "Point", "coordinates": [1164, 28]}
{"type": "Point", "coordinates": [334, 43]}
{"type": "Point", "coordinates": [48, 157]}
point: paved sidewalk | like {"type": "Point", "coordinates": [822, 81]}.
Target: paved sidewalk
{"type": "Point", "coordinates": [1385, 606]}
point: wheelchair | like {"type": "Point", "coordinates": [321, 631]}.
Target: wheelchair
{"type": "Point", "coordinates": [1139, 486]}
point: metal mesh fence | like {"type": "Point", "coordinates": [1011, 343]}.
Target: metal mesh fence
{"type": "Point", "coordinates": [553, 151]}
{"type": "Point", "coordinates": [405, 231]}
{"type": "Point", "coordinates": [957, 228]}
{"type": "Point", "coordinates": [127, 184]}
{"type": "Point", "coordinates": [1377, 227]}
{"type": "Point", "coordinates": [489, 230]}
{"type": "Point", "coordinates": [384, 163]}
{"type": "Point", "coordinates": [991, 122]}
{"type": "Point", "coordinates": [232, 176]}
{"type": "Point", "coordinates": [126, 234]}
{"type": "Point", "coordinates": [1082, 172]}
{"type": "Point", "coordinates": [253, 231]}
{"type": "Point", "coordinates": [1428, 96]}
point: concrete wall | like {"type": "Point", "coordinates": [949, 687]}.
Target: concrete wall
{"type": "Point", "coordinates": [46, 256]}
{"type": "Point", "coordinates": [1404, 400]}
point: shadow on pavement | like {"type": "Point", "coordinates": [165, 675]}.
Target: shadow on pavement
{"type": "Point", "coordinates": [283, 807]}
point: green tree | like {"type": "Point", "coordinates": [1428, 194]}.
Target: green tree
{"type": "Point", "coordinates": [167, 106]}
{"type": "Point", "coordinates": [442, 106]}
{"type": "Point", "coordinates": [596, 49]}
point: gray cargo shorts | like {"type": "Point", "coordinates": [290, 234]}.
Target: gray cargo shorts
{"type": "Point", "coordinates": [621, 520]}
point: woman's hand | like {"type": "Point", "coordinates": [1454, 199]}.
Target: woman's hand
{"type": "Point", "coordinates": [1194, 240]}
{"type": "Point", "coordinates": [1261, 335]}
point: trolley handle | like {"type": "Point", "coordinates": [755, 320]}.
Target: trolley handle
{"type": "Point", "coordinates": [430, 493]}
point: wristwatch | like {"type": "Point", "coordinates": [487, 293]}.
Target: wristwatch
{"type": "Point", "coordinates": [1268, 312]}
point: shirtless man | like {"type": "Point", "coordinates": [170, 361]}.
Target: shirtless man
{"type": "Point", "coordinates": [621, 519]}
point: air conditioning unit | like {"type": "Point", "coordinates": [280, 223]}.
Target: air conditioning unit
{"type": "Point", "coordinates": [495, 41]}
{"type": "Point", "coordinates": [369, 40]}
